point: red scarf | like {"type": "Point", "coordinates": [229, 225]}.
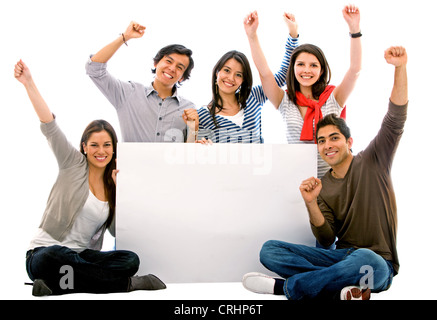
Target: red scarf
{"type": "Point", "coordinates": [314, 112]}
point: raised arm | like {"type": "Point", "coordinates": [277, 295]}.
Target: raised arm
{"type": "Point", "coordinates": [397, 56]}
{"type": "Point", "coordinates": [271, 89]}
{"type": "Point", "coordinates": [291, 44]}
{"type": "Point", "coordinates": [23, 75]}
{"type": "Point", "coordinates": [310, 190]}
{"type": "Point", "coordinates": [342, 92]}
{"type": "Point", "coordinates": [134, 30]}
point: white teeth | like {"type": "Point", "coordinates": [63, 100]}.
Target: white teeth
{"type": "Point", "coordinates": [101, 158]}
{"type": "Point", "coordinates": [167, 75]}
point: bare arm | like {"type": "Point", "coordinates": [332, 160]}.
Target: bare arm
{"type": "Point", "coordinates": [273, 92]}
{"type": "Point", "coordinates": [22, 74]}
{"type": "Point", "coordinates": [342, 92]}
{"type": "Point", "coordinates": [134, 30]}
{"type": "Point", "coordinates": [397, 56]}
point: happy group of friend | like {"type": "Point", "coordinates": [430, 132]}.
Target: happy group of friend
{"type": "Point", "coordinates": [351, 203]}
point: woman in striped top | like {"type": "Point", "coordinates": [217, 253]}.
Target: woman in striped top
{"type": "Point", "coordinates": [308, 96]}
{"type": "Point", "coordinates": [234, 114]}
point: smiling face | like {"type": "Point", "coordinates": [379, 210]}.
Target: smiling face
{"type": "Point", "coordinates": [170, 69]}
{"type": "Point", "coordinates": [99, 149]}
{"type": "Point", "coordinates": [333, 146]}
{"type": "Point", "coordinates": [307, 69]}
{"type": "Point", "coordinates": [230, 77]}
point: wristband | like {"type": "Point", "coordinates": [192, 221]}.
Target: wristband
{"type": "Point", "coordinates": [355, 35]}
{"type": "Point", "coordinates": [124, 39]}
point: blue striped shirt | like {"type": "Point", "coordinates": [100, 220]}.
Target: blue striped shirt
{"type": "Point", "coordinates": [250, 132]}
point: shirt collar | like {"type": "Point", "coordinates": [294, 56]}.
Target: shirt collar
{"type": "Point", "coordinates": [150, 89]}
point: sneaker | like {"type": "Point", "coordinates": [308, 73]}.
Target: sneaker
{"type": "Point", "coordinates": [355, 293]}
{"type": "Point", "coordinates": [259, 283]}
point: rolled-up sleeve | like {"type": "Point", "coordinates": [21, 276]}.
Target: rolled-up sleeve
{"type": "Point", "coordinates": [114, 90]}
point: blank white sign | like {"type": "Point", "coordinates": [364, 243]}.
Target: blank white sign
{"type": "Point", "coordinates": [196, 213]}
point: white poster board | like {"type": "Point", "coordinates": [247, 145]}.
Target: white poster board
{"type": "Point", "coordinates": [196, 213]}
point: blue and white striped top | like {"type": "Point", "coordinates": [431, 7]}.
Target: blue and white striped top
{"type": "Point", "coordinates": [250, 131]}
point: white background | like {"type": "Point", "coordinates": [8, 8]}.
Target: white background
{"type": "Point", "coordinates": [55, 39]}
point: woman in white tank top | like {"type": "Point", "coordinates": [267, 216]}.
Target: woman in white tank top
{"type": "Point", "coordinates": [64, 256]}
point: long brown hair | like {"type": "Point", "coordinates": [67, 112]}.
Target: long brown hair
{"type": "Point", "coordinates": [293, 85]}
{"type": "Point", "coordinates": [216, 104]}
{"type": "Point", "coordinates": [98, 126]}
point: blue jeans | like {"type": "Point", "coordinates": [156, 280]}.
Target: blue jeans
{"type": "Point", "coordinates": [92, 271]}
{"type": "Point", "coordinates": [311, 272]}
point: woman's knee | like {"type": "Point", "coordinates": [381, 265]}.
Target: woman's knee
{"type": "Point", "coordinates": [131, 260]}
{"type": "Point", "coordinates": [53, 254]}
{"type": "Point", "coordinates": [47, 260]}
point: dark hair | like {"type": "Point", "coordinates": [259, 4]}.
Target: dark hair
{"type": "Point", "coordinates": [216, 104]}
{"type": "Point", "coordinates": [98, 126]}
{"type": "Point", "coordinates": [293, 85]}
{"type": "Point", "coordinates": [332, 119]}
{"type": "Point", "coordinates": [179, 49]}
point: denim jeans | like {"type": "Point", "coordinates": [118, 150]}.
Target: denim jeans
{"type": "Point", "coordinates": [91, 271]}
{"type": "Point", "coordinates": [311, 272]}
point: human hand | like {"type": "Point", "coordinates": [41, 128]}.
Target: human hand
{"type": "Point", "coordinates": [204, 141]}
{"type": "Point", "coordinates": [292, 25]}
{"type": "Point", "coordinates": [351, 14]}
{"type": "Point", "coordinates": [114, 175]}
{"type": "Point", "coordinates": [191, 115]}
{"type": "Point", "coordinates": [134, 30]}
{"type": "Point", "coordinates": [251, 23]}
{"type": "Point", "coordinates": [22, 73]}
{"type": "Point", "coordinates": [310, 189]}
{"type": "Point", "coordinates": [396, 56]}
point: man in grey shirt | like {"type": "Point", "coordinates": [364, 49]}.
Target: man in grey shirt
{"type": "Point", "coordinates": [154, 113]}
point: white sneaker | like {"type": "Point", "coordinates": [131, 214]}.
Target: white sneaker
{"type": "Point", "coordinates": [259, 283]}
{"type": "Point", "coordinates": [355, 293]}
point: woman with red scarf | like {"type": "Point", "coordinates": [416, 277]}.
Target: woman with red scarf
{"type": "Point", "coordinates": [308, 96]}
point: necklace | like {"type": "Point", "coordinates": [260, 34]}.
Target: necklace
{"type": "Point", "coordinates": [335, 175]}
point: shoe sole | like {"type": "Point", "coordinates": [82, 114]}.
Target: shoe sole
{"type": "Point", "coordinates": [358, 294]}
{"type": "Point", "coordinates": [255, 275]}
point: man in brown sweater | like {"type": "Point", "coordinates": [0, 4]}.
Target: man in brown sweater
{"type": "Point", "coordinates": [354, 203]}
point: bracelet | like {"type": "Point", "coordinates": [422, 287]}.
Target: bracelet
{"type": "Point", "coordinates": [355, 35]}
{"type": "Point", "coordinates": [124, 39]}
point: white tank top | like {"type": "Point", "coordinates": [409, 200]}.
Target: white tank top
{"type": "Point", "coordinates": [88, 221]}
